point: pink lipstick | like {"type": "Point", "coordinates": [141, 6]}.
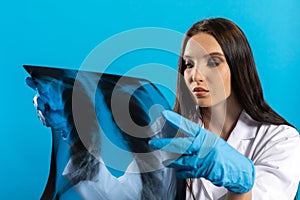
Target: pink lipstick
{"type": "Point", "coordinates": [200, 92]}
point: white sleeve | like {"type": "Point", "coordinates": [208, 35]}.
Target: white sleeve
{"type": "Point", "coordinates": [277, 166]}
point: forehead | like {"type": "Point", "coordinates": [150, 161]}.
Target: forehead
{"type": "Point", "coordinates": [201, 44]}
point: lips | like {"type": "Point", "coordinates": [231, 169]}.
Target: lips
{"type": "Point", "coordinates": [200, 92]}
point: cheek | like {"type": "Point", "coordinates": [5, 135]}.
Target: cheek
{"type": "Point", "coordinates": [220, 83]}
{"type": "Point", "coordinates": [226, 79]}
{"type": "Point", "coordinates": [188, 80]}
{"type": "Point", "coordinates": [187, 77]}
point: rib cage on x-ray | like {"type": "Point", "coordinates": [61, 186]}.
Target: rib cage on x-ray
{"type": "Point", "coordinates": [122, 109]}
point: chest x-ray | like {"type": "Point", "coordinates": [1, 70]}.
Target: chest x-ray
{"type": "Point", "coordinates": [101, 125]}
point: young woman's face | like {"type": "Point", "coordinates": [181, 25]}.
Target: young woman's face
{"type": "Point", "coordinates": [207, 74]}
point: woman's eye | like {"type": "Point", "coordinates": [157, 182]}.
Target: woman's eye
{"type": "Point", "coordinates": [213, 62]}
{"type": "Point", "coordinates": [188, 64]}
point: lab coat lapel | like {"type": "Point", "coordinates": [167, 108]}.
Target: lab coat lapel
{"type": "Point", "coordinates": [243, 132]}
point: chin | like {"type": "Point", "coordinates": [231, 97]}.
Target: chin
{"type": "Point", "coordinates": [202, 104]}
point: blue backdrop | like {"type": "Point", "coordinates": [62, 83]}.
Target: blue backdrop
{"type": "Point", "coordinates": [62, 33]}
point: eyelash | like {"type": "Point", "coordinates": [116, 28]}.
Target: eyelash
{"type": "Point", "coordinates": [188, 64]}
{"type": "Point", "coordinates": [211, 63]}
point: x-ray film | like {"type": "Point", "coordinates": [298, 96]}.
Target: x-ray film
{"type": "Point", "coordinates": [101, 124]}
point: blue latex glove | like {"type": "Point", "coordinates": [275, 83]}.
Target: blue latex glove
{"type": "Point", "coordinates": [204, 154]}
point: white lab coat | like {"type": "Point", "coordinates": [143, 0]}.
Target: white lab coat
{"type": "Point", "coordinates": [275, 152]}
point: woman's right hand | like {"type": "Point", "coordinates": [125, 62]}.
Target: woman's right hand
{"type": "Point", "coordinates": [49, 101]}
{"type": "Point", "coordinates": [204, 154]}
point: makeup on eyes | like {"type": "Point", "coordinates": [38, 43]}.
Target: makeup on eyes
{"type": "Point", "coordinates": [214, 59]}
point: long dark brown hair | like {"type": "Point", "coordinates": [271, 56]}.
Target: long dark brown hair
{"type": "Point", "coordinates": [245, 81]}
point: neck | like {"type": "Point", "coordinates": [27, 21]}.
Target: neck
{"type": "Point", "coordinates": [222, 118]}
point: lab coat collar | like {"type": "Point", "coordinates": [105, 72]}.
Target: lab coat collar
{"type": "Point", "coordinates": [245, 128]}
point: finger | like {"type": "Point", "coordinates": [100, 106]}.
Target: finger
{"type": "Point", "coordinates": [187, 162]}
{"type": "Point", "coordinates": [40, 103]}
{"type": "Point", "coordinates": [186, 126]}
{"type": "Point", "coordinates": [173, 145]}
{"type": "Point", "coordinates": [41, 117]}
{"type": "Point", "coordinates": [34, 100]}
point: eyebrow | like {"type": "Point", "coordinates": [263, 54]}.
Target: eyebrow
{"type": "Point", "coordinates": [206, 55]}
{"type": "Point", "coordinates": [214, 54]}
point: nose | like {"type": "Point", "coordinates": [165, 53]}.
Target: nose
{"type": "Point", "coordinates": [197, 76]}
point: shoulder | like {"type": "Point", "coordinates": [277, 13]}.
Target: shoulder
{"type": "Point", "coordinates": [279, 139]}
{"type": "Point", "coordinates": [266, 130]}
{"type": "Point", "coordinates": [279, 131]}
{"type": "Point", "coordinates": [257, 137]}
{"type": "Point", "coordinates": [271, 140]}
{"type": "Point", "coordinates": [276, 133]}
{"type": "Point", "coordinates": [275, 151]}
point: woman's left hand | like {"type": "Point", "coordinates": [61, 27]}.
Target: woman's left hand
{"type": "Point", "coordinates": [204, 154]}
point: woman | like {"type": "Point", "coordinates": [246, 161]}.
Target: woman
{"type": "Point", "coordinates": [219, 89]}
